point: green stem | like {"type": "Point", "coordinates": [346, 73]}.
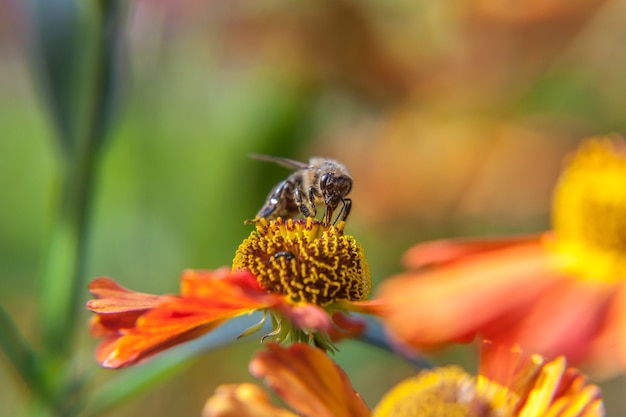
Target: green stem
{"type": "Point", "coordinates": [79, 51]}
{"type": "Point", "coordinates": [63, 277]}
{"type": "Point", "coordinates": [66, 256]}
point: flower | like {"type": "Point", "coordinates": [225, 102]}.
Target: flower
{"type": "Point", "coordinates": [313, 385]}
{"type": "Point", "coordinates": [562, 292]}
{"type": "Point", "coordinates": [297, 271]}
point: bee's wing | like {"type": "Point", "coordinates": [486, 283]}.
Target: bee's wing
{"type": "Point", "coordinates": [289, 163]}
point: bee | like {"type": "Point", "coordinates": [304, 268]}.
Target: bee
{"type": "Point", "coordinates": [321, 181]}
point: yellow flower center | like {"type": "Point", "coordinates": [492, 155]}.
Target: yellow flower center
{"type": "Point", "coordinates": [537, 389]}
{"type": "Point", "coordinates": [589, 212]}
{"type": "Point", "coordinates": [447, 392]}
{"type": "Point", "coordinates": [306, 261]}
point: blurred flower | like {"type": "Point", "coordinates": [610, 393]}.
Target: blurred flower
{"type": "Point", "coordinates": [308, 381]}
{"type": "Point", "coordinates": [559, 293]}
{"type": "Point", "coordinates": [334, 43]}
{"type": "Point", "coordinates": [297, 271]}
{"type": "Point", "coordinates": [480, 158]}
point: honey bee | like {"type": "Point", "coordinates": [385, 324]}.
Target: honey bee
{"type": "Point", "coordinates": [321, 181]}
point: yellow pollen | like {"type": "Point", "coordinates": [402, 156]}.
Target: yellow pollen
{"type": "Point", "coordinates": [306, 261]}
{"type": "Point", "coordinates": [447, 392]}
{"type": "Point", "coordinates": [589, 212]}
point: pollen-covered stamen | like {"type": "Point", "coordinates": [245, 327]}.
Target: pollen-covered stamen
{"type": "Point", "coordinates": [306, 261]}
{"type": "Point", "coordinates": [589, 211]}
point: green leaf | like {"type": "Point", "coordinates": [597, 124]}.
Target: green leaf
{"type": "Point", "coordinates": [21, 356]}
{"type": "Point", "coordinates": [54, 51]}
{"type": "Point", "coordinates": [77, 50]}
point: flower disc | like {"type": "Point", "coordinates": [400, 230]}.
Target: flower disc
{"type": "Point", "coordinates": [306, 261]}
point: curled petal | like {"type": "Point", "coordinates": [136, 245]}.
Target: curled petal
{"type": "Point", "coordinates": [309, 381]}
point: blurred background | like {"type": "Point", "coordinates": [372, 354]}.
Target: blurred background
{"type": "Point", "coordinates": [452, 116]}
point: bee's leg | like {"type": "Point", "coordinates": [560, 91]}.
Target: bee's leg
{"type": "Point", "coordinates": [302, 206]}
{"type": "Point", "coordinates": [345, 210]}
{"type": "Point", "coordinates": [312, 194]}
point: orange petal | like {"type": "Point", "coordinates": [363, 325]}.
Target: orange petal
{"type": "Point", "coordinates": [169, 324]}
{"type": "Point", "coordinates": [219, 285]}
{"type": "Point", "coordinates": [309, 381]}
{"type": "Point", "coordinates": [138, 325]}
{"type": "Point", "coordinates": [500, 363]}
{"type": "Point", "coordinates": [117, 307]}
{"type": "Point", "coordinates": [113, 298]}
{"type": "Point", "coordinates": [104, 349]}
{"type": "Point", "coordinates": [139, 344]}
{"type": "Point", "coordinates": [449, 303]}
{"type": "Point", "coordinates": [242, 400]}
{"type": "Point", "coordinates": [449, 250]}
{"type": "Point", "coordinates": [562, 321]}
{"type": "Point", "coordinates": [607, 355]}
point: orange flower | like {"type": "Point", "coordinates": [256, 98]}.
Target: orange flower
{"type": "Point", "coordinates": [308, 381]}
{"type": "Point", "coordinates": [559, 293]}
{"type": "Point", "coordinates": [297, 271]}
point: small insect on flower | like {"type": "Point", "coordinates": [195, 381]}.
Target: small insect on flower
{"type": "Point", "coordinates": [322, 181]}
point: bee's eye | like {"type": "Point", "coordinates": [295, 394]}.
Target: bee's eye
{"type": "Point", "coordinates": [325, 180]}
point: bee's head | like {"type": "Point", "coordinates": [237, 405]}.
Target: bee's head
{"type": "Point", "coordinates": [335, 188]}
